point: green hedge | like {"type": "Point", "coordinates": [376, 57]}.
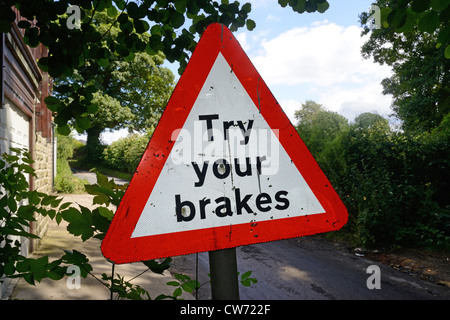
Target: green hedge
{"type": "Point", "coordinates": [394, 185]}
{"type": "Point", "coordinates": [125, 154]}
{"type": "Point", "coordinates": [65, 181]}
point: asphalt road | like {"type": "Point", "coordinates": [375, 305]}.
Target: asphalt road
{"type": "Point", "coordinates": [312, 269]}
{"type": "Point", "coordinates": [92, 178]}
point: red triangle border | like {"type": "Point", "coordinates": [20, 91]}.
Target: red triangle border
{"type": "Point", "coordinates": [119, 247]}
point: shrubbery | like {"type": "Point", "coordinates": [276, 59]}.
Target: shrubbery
{"type": "Point", "coordinates": [65, 181]}
{"type": "Point", "coordinates": [125, 154]}
{"type": "Point", "coordinates": [393, 184]}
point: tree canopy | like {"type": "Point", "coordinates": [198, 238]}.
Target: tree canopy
{"type": "Point", "coordinates": [131, 92]}
{"type": "Point", "coordinates": [318, 126]}
{"type": "Point", "coordinates": [415, 41]}
{"type": "Point", "coordinates": [170, 27]}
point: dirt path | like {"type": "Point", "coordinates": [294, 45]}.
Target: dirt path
{"type": "Point", "coordinates": [431, 266]}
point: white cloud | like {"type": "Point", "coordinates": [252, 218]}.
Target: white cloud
{"type": "Point", "coordinates": [261, 3]}
{"type": "Point", "coordinates": [109, 137]}
{"type": "Point", "coordinates": [324, 62]}
{"type": "Point", "coordinates": [323, 54]}
{"type": "Point", "coordinates": [289, 108]}
{"type": "Point", "coordinates": [351, 102]}
{"type": "Point", "coordinates": [242, 39]}
{"type": "Point", "coordinates": [271, 17]}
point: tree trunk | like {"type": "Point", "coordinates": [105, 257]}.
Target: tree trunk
{"type": "Point", "coordinates": [94, 146]}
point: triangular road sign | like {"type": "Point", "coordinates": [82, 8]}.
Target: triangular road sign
{"type": "Point", "coordinates": [224, 167]}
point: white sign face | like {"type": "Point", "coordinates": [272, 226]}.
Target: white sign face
{"type": "Point", "coordinates": [226, 167]}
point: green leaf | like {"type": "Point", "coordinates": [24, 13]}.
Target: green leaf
{"type": "Point", "coordinates": [177, 292]}
{"type": "Point", "coordinates": [310, 6]}
{"type": "Point", "coordinates": [51, 100]}
{"type": "Point", "coordinates": [65, 205]}
{"type": "Point", "coordinates": [80, 222]}
{"type": "Point", "coordinates": [420, 5]}
{"type": "Point", "coordinates": [141, 26]}
{"type": "Point", "coordinates": [111, 11]}
{"type": "Point", "coordinates": [83, 122]}
{"type": "Point", "coordinates": [250, 24]}
{"type": "Point", "coordinates": [31, 37]}
{"type": "Point", "coordinates": [103, 62]}
{"type": "Point", "coordinates": [429, 22]}
{"type": "Point", "coordinates": [127, 26]}
{"type": "Point", "coordinates": [245, 275]}
{"type": "Point", "coordinates": [120, 4]}
{"type": "Point", "coordinates": [157, 267]}
{"type": "Point", "coordinates": [439, 5]}
{"type": "Point", "coordinates": [192, 7]}
{"type": "Point", "coordinates": [23, 265]}
{"type": "Point", "coordinates": [180, 6]}
{"type": "Point", "coordinates": [173, 283]}
{"type": "Point", "coordinates": [64, 130]}
{"type": "Point", "coordinates": [92, 109]}
{"type": "Point", "coordinates": [100, 222]}
{"type": "Point", "coordinates": [190, 286]}
{"type": "Point", "coordinates": [177, 20]}
{"type": "Point", "coordinates": [12, 204]}
{"type": "Point", "coordinates": [133, 10]}
{"type": "Point", "coordinates": [28, 277]}
{"type": "Point", "coordinates": [105, 212]}
{"type": "Point", "coordinates": [9, 268]}
{"type": "Point", "coordinates": [100, 197]}
{"type": "Point", "coordinates": [57, 273]}
{"type": "Point", "coordinates": [38, 265]}
{"type": "Point", "coordinates": [447, 52]}
{"type": "Point", "coordinates": [247, 7]}
{"type": "Point", "coordinates": [43, 64]}
{"type": "Point", "coordinates": [397, 18]}
{"type": "Point", "coordinates": [123, 52]}
{"type": "Point", "coordinates": [24, 24]}
{"type": "Point", "coordinates": [410, 22]}
{"type": "Point", "coordinates": [182, 277]}
{"type": "Point", "coordinates": [26, 212]}
{"type": "Point", "coordinates": [74, 257]}
{"type": "Point", "coordinates": [47, 199]}
{"type": "Point", "coordinates": [79, 259]}
{"type": "Point", "coordinates": [5, 26]}
{"type": "Point", "coordinates": [444, 35]}
{"type": "Point", "coordinates": [322, 7]}
{"type": "Point", "coordinates": [156, 30]}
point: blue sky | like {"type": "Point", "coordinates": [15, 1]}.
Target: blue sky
{"type": "Point", "coordinates": [316, 57]}
{"type": "Point", "coordinates": [312, 56]}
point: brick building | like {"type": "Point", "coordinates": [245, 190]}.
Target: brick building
{"type": "Point", "coordinates": [25, 121]}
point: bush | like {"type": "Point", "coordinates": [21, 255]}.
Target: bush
{"type": "Point", "coordinates": [393, 185]}
{"type": "Point", "coordinates": [125, 154]}
{"type": "Point", "coordinates": [65, 181]}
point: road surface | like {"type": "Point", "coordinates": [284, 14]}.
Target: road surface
{"type": "Point", "coordinates": [92, 178]}
{"type": "Point", "coordinates": [311, 268]}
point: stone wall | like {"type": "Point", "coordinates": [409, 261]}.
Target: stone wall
{"type": "Point", "coordinates": [43, 182]}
